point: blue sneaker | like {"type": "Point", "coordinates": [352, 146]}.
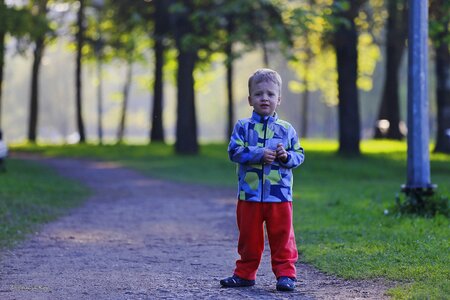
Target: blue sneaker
{"type": "Point", "coordinates": [286, 284]}
{"type": "Point", "coordinates": [235, 281]}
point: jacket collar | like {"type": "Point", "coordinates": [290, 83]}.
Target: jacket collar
{"type": "Point", "coordinates": [262, 119]}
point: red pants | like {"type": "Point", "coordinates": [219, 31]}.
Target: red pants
{"type": "Point", "coordinates": [280, 231]}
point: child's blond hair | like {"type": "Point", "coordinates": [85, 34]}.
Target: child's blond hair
{"type": "Point", "coordinates": [261, 75]}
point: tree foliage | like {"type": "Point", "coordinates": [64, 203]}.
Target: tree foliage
{"type": "Point", "coordinates": [241, 27]}
{"type": "Point", "coordinates": [22, 23]}
{"type": "Point", "coordinates": [314, 58]}
{"type": "Point", "coordinates": [318, 36]}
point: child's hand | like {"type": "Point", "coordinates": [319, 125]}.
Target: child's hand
{"type": "Point", "coordinates": [282, 153]}
{"type": "Point", "coordinates": [269, 156]}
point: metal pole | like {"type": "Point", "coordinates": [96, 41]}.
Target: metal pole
{"type": "Point", "coordinates": [418, 170]}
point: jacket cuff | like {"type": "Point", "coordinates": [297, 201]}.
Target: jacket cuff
{"type": "Point", "coordinates": [287, 163]}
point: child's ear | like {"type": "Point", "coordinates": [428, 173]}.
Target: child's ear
{"type": "Point", "coordinates": [249, 101]}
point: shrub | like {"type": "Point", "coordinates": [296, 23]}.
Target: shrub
{"type": "Point", "coordinates": [416, 202]}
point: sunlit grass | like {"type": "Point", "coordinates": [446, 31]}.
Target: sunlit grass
{"type": "Point", "coordinates": [339, 207]}
{"type": "Point", "coordinates": [377, 147]}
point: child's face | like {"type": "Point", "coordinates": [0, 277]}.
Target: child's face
{"type": "Point", "coordinates": [264, 97]}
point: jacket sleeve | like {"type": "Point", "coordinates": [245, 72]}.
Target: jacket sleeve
{"type": "Point", "coordinates": [296, 155]}
{"type": "Point", "coordinates": [238, 149]}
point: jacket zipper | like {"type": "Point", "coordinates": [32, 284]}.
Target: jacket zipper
{"type": "Point", "coordinates": [264, 145]}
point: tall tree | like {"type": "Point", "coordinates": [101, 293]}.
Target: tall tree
{"type": "Point", "coordinates": [127, 40]}
{"type": "Point", "coordinates": [314, 53]}
{"type": "Point", "coordinates": [440, 35]}
{"type": "Point", "coordinates": [99, 45]}
{"type": "Point", "coordinates": [17, 22]}
{"type": "Point", "coordinates": [186, 126]}
{"type": "Point", "coordinates": [78, 71]}
{"type": "Point", "coordinates": [156, 22]}
{"type": "Point", "coordinates": [196, 38]}
{"type": "Point", "coordinates": [95, 39]}
{"type": "Point", "coordinates": [229, 79]}
{"type": "Point", "coordinates": [3, 30]}
{"type": "Point", "coordinates": [345, 43]}
{"type": "Point", "coordinates": [303, 17]}
{"type": "Point", "coordinates": [396, 32]}
{"type": "Point", "coordinates": [249, 23]}
{"type": "Point", "coordinates": [306, 95]}
{"type": "Point", "coordinates": [160, 32]}
{"type": "Point", "coordinates": [126, 96]}
{"type": "Point", "coordinates": [39, 36]}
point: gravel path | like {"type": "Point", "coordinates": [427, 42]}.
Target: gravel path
{"type": "Point", "coordinates": [141, 238]}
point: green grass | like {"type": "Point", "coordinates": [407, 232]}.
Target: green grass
{"type": "Point", "coordinates": [30, 195]}
{"type": "Point", "coordinates": [343, 230]}
{"type": "Point", "coordinates": [339, 208]}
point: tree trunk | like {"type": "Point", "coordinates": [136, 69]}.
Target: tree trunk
{"type": "Point", "coordinates": [305, 94]}
{"type": "Point", "coordinates": [186, 130]}
{"type": "Point", "coordinates": [443, 98]}
{"type": "Point", "coordinates": [34, 95]}
{"type": "Point", "coordinates": [78, 79]}
{"type": "Point", "coordinates": [345, 43]}
{"type": "Point", "coordinates": [2, 63]}
{"type": "Point", "coordinates": [305, 108]}
{"type": "Point", "coordinates": [99, 100]}
{"type": "Point", "coordinates": [229, 67]}
{"type": "Point", "coordinates": [126, 93]}
{"type": "Point", "coordinates": [162, 25]}
{"type": "Point", "coordinates": [186, 135]}
{"type": "Point", "coordinates": [265, 54]}
{"type": "Point", "coordinates": [157, 130]}
{"type": "Point", "coordinates": [395, 38]}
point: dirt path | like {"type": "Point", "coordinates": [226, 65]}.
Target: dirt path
{"type": "Point", "coordinates": [141, 238]}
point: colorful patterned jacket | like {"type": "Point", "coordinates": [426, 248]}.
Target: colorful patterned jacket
{"type": "Point", "coordinates": [258, 181]}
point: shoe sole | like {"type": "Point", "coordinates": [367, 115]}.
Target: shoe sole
{"type": "Point", "coordinates": [236, 286]}
{"type": "Point", "coordinates": [285, 289]}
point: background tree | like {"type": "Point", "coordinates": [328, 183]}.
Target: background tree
{"type": "Point", "coordinates": [345, 41]}
{"type": "Point", "coordinates": [249, 24]}
{"type": "Point", "coordinates": [440, 36]}
{"type": "Point", "coordinates": [128, 41]}
{"type": "Point", "coordinates": [40, 38]}
{"type": "Point", "coordinates": [185, 33]}
{"type": "Point", "coordinates": [16, 22]}
{"type": "Point", "coordinates": [78, 71]}
{"type": "Point", "coordinates": [131, 52]}
{"type": "Point", "coordinates": [396, 32]}
{"type": "Point", "coordinates": [313, 56]}
{"type": "Point", "coordinates": [3, 30]}
{"type": "Point", "coordinates": [306, 88]}
{"type": "Point", "coordinates": [308, 45]}
{"type": "Point", "coordinates": [99, 45]}
{"type": "Point", "coordinates": [195, 32]}
{"type": "Point", "coordinates": [160, 36]}
{"type": "Point", "coordinates": [155, 20]}
{"type": "Point", "coordinates": [97, 38]}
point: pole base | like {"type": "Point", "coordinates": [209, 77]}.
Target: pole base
{"type": "Point", "coordinates": [425, 191]}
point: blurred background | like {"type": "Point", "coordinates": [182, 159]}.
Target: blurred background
{"type": "Point", "coordinates": [107, 71]}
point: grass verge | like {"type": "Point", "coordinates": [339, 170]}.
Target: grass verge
{"type": "Point", "coordinates": [340, 207]}
{"type": "Point", "coordinates": [30, 195]}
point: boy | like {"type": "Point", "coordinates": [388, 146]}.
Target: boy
{"type": "Point", "coordinates": [266, 150]}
